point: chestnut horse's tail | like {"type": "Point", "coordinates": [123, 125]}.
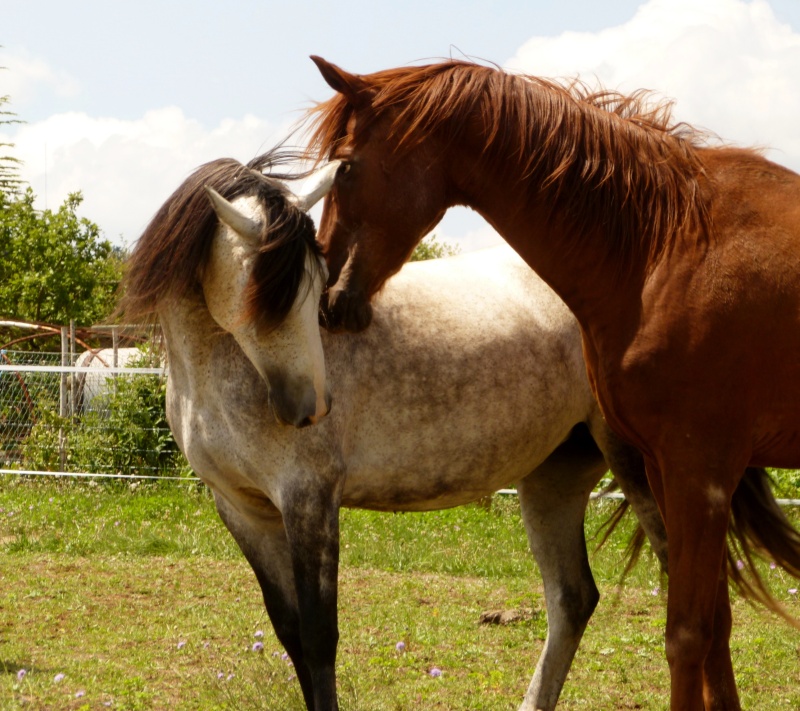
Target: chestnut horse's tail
{"type": "Point", "coordinates": [760, 529]}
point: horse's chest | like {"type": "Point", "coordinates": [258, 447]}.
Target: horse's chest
{"type": "Point", "coordinates": [204, 423]}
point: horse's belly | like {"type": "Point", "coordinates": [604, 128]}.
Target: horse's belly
{"type": "Point", "coordinates": [430, 478]}
{"type": "Point", "coordinates": [778, 446]}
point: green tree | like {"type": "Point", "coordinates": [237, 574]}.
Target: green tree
{"type": "Point", "coordinates": [54, 266]}
{"type": "Point", "coordinates": [431, 248]}
{"type": "Point", "coordinates": [10, 181]}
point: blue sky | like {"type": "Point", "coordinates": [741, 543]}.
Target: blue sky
{"type": "Point", "coordinates": [122, 100]}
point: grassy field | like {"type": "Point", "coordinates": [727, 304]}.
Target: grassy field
{"type": "Point", "coordinates": [122, 597]}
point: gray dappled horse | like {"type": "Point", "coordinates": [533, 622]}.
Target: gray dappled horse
{"type": "Point", "coordinates": [470, 378]}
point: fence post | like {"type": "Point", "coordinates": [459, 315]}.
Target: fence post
{"type": "Point", "coordinates": [72, 362]}
{"type": "Point", "coordinates": [115, 351]}
{"type": "Point", "coordinates": [62, 401]}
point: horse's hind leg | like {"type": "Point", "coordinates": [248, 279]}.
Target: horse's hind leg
{"type": "Point", "coordinates": [553, 500]}
{"type": "Point", "coordinates": [300, 596]}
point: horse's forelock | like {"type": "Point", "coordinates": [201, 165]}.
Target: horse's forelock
{"type": "Point", "coordinates": [280, 267]}
{"type": "Point", "coordinates": [168, 259]}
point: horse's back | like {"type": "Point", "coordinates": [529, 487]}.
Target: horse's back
{"type": "Point", "coordinates": [485, 283]}
{"type": "Point", "coordinates": [469, 376]}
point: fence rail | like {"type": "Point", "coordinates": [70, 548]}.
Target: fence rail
{"type": "Point", "coordinates": [78, 369]}
{"type": "Point", "coordinates": [90, 422]}
{"type": "Point", "coordinates": [61, 417]}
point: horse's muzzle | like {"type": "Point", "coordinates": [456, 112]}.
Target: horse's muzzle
{"type": "Point", "coordinates": [295, 403]}
{"type": "Point", "coordinates": [342, 310]}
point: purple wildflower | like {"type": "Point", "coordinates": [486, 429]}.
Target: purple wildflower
{"type": "Point", "coordinates": [739, 565]}
{"type": "Point", "coordinates": [284, 656]}
{"type": "Point", "coordinates": [259, 633]}
{"type": "Point", "coordinates": [400, 646]}
{"type": "Point", "coordinates": [182, 644]}
{"type": "Point", "coordinates": [258, 647]}
{"type": "Point", "coordinates": [772, 566]}
{"type": "Point", "coordinates": [58, 677]}
{"type": "Point", "coordinates": [435, 672]}
{"type": "Point", "coordinates": [21, 674]}
{"type": "Point", "coordinates": [79, 694]}
{"type": "Point", "coordinates": [793, 591]}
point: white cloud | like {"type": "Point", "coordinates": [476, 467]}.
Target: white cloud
{"type": "Point", "coordinates": [24, 76]}
{"type": "Point", "coordinates": [731, 66]}
{"type": "Point", "coordinates": [126, 169]}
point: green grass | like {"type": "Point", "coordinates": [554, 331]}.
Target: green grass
{"type": "Point", "coordinates": [141, 599]}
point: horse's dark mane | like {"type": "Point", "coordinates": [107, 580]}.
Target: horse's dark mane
{"type": "Point", "coordinates": [599, 157]}
{"type": "Point", "coordinates": [170, 255]}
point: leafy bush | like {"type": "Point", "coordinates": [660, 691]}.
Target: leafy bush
{"type": "Point", "coordinates": [125, 431]}
{"type": "Point", "coordinates": [786, 483]}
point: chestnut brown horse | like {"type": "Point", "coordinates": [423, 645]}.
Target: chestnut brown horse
{"type": "Point", "coordinates": [681, 261]}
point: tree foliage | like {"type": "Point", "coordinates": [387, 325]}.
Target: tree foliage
{"type": "Point", "coordinates": [431, 248]}
{"type": "Point", "coordinates": [10, 181]}
{"type": "Point", "coordinates": [124, 432]}
{"type": "Point", "coordinates": [54, 266]}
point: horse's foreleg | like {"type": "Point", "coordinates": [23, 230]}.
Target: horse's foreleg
{"type": "Point", "coordinates": [719, 683]}
{"type": "Point", "coordinates": [553, 500]}
{"type": "Point", "coordinates": [697, 492]}
{"type": "Point", "coordinates": [261, 536]}
{"type": "Point", "coordinates": [312, 528]}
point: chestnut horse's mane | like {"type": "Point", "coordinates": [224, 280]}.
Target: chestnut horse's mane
{"type": "Point", "coordinates": [169, 257]}
{"type": "Point", "coordinates": [600, 157]}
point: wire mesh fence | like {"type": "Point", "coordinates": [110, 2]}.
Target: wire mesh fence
{"type": "Point", "coordinates": [102, 414]}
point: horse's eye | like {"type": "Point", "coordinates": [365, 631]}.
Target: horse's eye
{"type": "Point", "coordinates": [344, 168]}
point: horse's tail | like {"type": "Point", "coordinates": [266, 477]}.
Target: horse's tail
{"type": "Point", "coordinates": [637, 539]}
{"type": "Point", "coordinates": [760, 529]}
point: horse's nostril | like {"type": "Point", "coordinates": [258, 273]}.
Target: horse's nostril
{"type": "Point", "coordinates": [305, 423]}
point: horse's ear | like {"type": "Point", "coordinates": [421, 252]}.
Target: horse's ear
{"type": "Point", "coordinates": [227, 213]}
{"type": "Point", "coordinates": [357, 91]}
{"type": "Point", "coordinates": [317, 186]}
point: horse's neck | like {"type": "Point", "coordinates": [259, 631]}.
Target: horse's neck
{"type": "Point", "coordinates": [190, 334]}
{"type": "Point", "coordinates": [581, 269]}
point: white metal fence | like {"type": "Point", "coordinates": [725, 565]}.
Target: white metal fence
{"type": "Point", "coordinates": [62, 419]}
{"type": "Point", "coordinates": [58, 417]}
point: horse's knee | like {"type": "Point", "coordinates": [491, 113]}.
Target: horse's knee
{"type": "Point", "coordinates": [687, 645]}
{"type": "Point", "coordinates": [320, 646]}
{"type": "Point", "coordinates": [573, 606]}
